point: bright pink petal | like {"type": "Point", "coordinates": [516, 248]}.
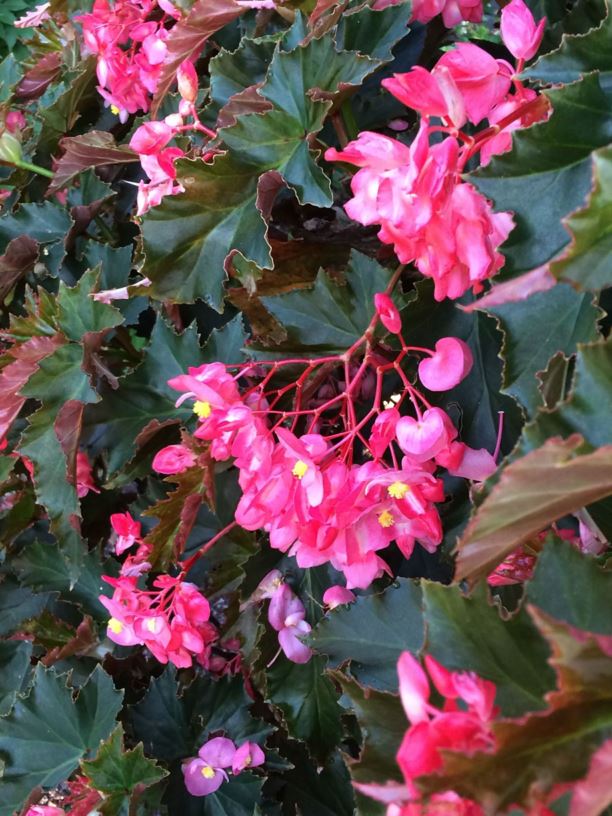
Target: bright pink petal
{"type": "Point", "coordinates": [450, 364]}
{"type": "Point", "coordinates": [218, 752]}
{"type": "Point", "coordinates": [413, 687]}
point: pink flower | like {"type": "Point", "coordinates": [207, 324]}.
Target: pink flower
{"type": "Point", "coordinates": [249, 755]}
{"type": "Point", "coordinates": [448, 366]}
{"type": "Point", "coordinates": [84, 476]}
{"type": "Point", "coordinates": [206, 773]}
{"type": "Point", "coordinates": [127, 530]}
{"type": "Point", "coordinates": [388, 313]}
{"type": "Point", "coordinates": [431, 94]}
{"type": "Point", "coordinates": [521, 35]}
{"type": "Point", "coordinates": [423, 438]}
{"type": "Point", "coordinates": [372, 150]}
{"type": "Point", "coordinates": [286, 614]}
{"type": "Point", "coordinates": [150, 138]}
{"type": "Point", "coordinates": [14, 121]}
{"type": "Point", "coordinates": [173, 459]}
{"type": "Point", "coordinates": [516, 568]}
{"type": "Point", "coordinates": [337, 596]}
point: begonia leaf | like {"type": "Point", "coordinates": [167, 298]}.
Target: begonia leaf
{"type": "Point", "coordinates": [374, 32]}
{"type": "Point", "coordinates": [537, 328]}
{"type": "Point", "coordinates": [530, 494]}
{"type": "Point", "coordinates": [325, 791]}
{"type": "Point", "coordinates": [232, 72]}
{"type": "Point", "coordinates": [116, 772]}
{"type": "Point", "coordinates": [309, 703]}
{"type": "Point", "coordinates": [586, 263]}
{"type": "Point", "coordinates": [548, 173]}
{"type": "Point", "coordinates": [79, 315]}
{"type": "Point", "coordinates": [468, 633]}
{"type": "Point", "coordinates": [48, 732]}
{"type": "Point", "coordinates": [14, 671]}
{"type": "Point", "coordinates": [239, 796]}
{"type": "Point", "coordinates": [17, 260]}
{"type": "Point", "coordinates": [18, 604]}
{"type": "Point", "coordinates": [45, 223]}
{"type": "Point", "coordinates": [572, 588]}
{"type": "Point", "coordinates": [367, 634]}
{"type": "Point", "coordinates": [94, 149]}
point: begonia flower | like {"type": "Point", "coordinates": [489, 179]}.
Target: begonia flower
{"type": "Point", "coordinates": [286, 614]}
{"type": "Point", "coordinates": [337, 596]}
{"type": "Point", "coordinates": [388, 313]}
{"type": "Point", "coordinates": [520, 33]}
{"type": "Point", "coordinates": [206, 773]}
{"type": "Point", "coordinates": [127, 530]}
{"type": "Point", "coordinates": [173, 459]}
{"type": "Point", "coordinates": [451, 362]}
{"type": "Point", "coordinates": [248, 755]}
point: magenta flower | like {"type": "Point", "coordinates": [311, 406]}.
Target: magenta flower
{"type": "Point", "coordinates": [338, 595]}
{"type": "Point", "coordinates": [451, 363]}
{"type": "Point", "coordinates": [206, 773]}
{"type": "Point", "coordinates": [286, 614]}
{"type": "Point", "coordinates": [173, 459]}
{"type": "Point", "coordinates": [521, 35]}
{"type": "Point", "coordinates": [127, 530]}
{"type": "Point", "coordinates": [388, 313]}
{"type": "Point", "coordinates": [249, 755]}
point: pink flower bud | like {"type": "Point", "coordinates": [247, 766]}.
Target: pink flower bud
{"type": "Point", "coordinates": [173, 459]}
{"type": "Point", "coordinates": [387, 312]}
{"type": "Point", "coordinates": [338, 595]}
{"type": "Point", "coordinates": [448, 366]}
{"type": "Point", "coordinates": [521, 35]}
{"type": "Point", "coordinates": [187, 81]}
{"type": "Point", "coordinates": [15, 120]}
{"type": "Point", "coordinates": [151, 137]}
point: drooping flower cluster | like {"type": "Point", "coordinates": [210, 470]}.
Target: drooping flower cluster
{"type": "Point", "coordinates": [206, 773]}
{"type": "Point", "coordinates": [299, 478]}
{"type": "Point", "coordinates": [172, 621]}
{"type": "Point", "coordinates": [431, 217]}
{"type": "Point", "coordinates": [129, 42]}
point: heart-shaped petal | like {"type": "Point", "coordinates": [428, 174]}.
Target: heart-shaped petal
{"type": "Point", "coordinates": [451, 362]}
{"type": "Point", "coordinates": [422, 439]}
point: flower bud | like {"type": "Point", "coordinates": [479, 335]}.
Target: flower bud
{"type": "Point", "coordinates": [387, 312]}
{"type": "Point", "coordinates": [187, 81]}
{"type": "Point", "coordinates": [10, 148]}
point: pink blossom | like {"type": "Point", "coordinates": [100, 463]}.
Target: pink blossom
{"type": "Point", "coordinates": [337, 596]}
{"type": "Point", "coordinates": [516, 568]}
{"type": "Point", "coordinates": [521, 35]}
{"type": "Point", "coordinates": [15, 121]}
{"type": "Point", "coordinates": [173, 459]}
{"type": "Point", "coordinates": [127, 530]}
{"type": "Point", "coordinates": [151, 137]}
{"type": "Point", "coordinates": [84, 476]}
{"type": "Point", "coordinates": [448, 366]}
{"type": "Point", "coordinates": [286, 614]}
{"type": "Point", "coordinates": [388, 313]}
{"type": "Point", "coordinates": [422, 438]}
{"type": "Point", "coordinates": [249, 755]}
{"type": "Point", "coordinates": [206, 773]}
{"type": "Point", "coordinates": [431, 94]}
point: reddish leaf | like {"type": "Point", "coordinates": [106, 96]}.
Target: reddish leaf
{"type": "Point", "coordinates": [68, 426]}
{"type": "Point", "coordinates": [16, 374]}
{"type": "Point", "coordinates": [36, 81]}
{"type": "Point", "coordinates": [247, 101]}
{"type": "Point", "coordinates": [93, 149]}
{"type": "Point", "coordinates": [188, 36]}
{"type": "Point", "coordinates": [531, 493]}
{"type": "Point", "coordinates": [20, 256]}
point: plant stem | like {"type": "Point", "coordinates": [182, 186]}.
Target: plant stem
{"type": "Point", "coordinates": [34, 168]}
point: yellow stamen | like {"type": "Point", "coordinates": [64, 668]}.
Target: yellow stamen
{"type": "Point", "coordinates": [151, 624]}
{"type": "Point", "coordinates": [398, 490]}
{"type": "Point", "coordinates": [299, 469]}
{"type": "Point", "coordinates": [115, 110]}
{"type": "Point", "coordinates": [202, 409]}
{"type": "Point", "coordinates": [386, 519]}
{"type": "Point", "coordinates": [207, 772]}
{"type": "Point", "coordinates": [115, 626]}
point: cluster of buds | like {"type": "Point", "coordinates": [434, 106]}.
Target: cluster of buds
{"type": "Point", "coordinates": [206, 773]}
{"type": "Point", "coordinates": [152, 143]}
{"type": "Point", "coordinates": [425, 211]}
{"type": "Point", "coordinates": [172, 620]}
{"type": "Point", "coordinates": [298, 470]}
{"type": "Point", "coordinates": [130, 48]}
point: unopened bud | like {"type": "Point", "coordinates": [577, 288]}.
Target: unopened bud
{"type": "Point", "coordinates": [10, 148]}
{"type": "Point", "coordinates": [187, 81]}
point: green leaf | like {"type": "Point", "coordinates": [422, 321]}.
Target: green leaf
{"type": "Point", "coordinates": [548, 173]}
{"type": "Point", "coordinates": [537, 328]}
{"type": "Point", "coordinates": [578, 54]}
{"type": "Point", "coordinates": [468, 633]}
{"type": "Point", "coordinates": [240, 796]}
{"type": "Point", "coordinates": [572, 588]}
{"type": "Point", "coordinates": [188, 238]}
{"type": "Point", "coordinates": [308, 701]}
{"type": "Point", "coordinates": [10, 74]}
{"type": "Point", "coordinates": [79, 314]}
{"type": "Point", "coordinates": [313, 791]}
{"type": "Point", "coordinates": [18, 604]}
{"type": "Point", "coordinates": [586, 411]}
{"type": "Point", "coordinates": [586, 264]}
{"type": "Point", "coordinates": [367, 633]}
{"type": "Point", "coordinates": [144, 396]}
{"type": "Point", "coordinates": [173, 722]}
{"type": "Point", "coordinates": [115, 772]}
{"type": "Point", "coordinates": [42, 566]}
{"type": "Point", "coordinates": [330, 317]}
{"type": "Point", "coordinates": [48, 732]}
{"type": "Point", "coordinates": [374, 32]}
{"type": "Point", "coordinates": [530, 494]}
{"type": "Point", "coordinates": [383, 724]}
{"type": "Point", "coordinates": [235, 71]}
{"type": "Point", "coordinates": [45, 223]}
{"type": "Point", "coordinates": [14, 671]}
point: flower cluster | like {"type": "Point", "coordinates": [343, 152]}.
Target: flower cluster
{"type": "Point", "coordinates": [299, 478]}
{"type": "Point", "coordinates": [130, 46]}
{"type": "Point", "coordinates": [206, 773]}
{"type": "Point", "coordinates": [172, 621]}
{"type": "Point", "coordinates": [415, 193]}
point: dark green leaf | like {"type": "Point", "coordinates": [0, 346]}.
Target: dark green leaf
{"type": "Point", "coordinates": [468, 633]}
{"type": "Point", "coordinates": [79, 314]}
{"type": "Point", "coordinates": [18, 604]}
{"type": "Point", "coordinates": [367, 633]}
{"type": "Point", "coordinates": [45, 223]}
{"type": "Point", "coordinates": [14, 670]}
{"type": "Point", "coordinates": [374, 32]}
{"type": "Point", "coordinates": [313, 791]}
{"type": "Point", "coordinates": [48, 732]}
